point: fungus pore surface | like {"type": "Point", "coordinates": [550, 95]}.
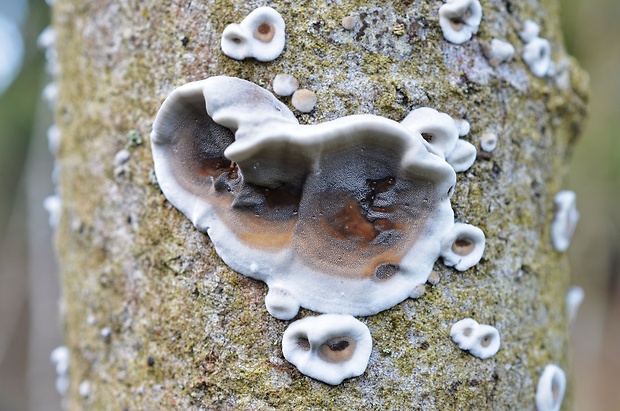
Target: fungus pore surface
{"type": "Point", "coordinates": [346, 216]}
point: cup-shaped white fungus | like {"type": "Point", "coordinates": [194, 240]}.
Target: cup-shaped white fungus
{"type": "Point", "coordinates": [328, 348]}
{"type": "Point", "coordinates": [460, 19]}
{"type": "Point", "coordinates": [260, 35]}
{"type": "Point", "coordinates": [347, 216]}
{"type": "Point", "coordinates": [530, 31]}
{"type": "Point", "coordinates": [463, 246]}
{"type": "Point", "coordinates": [481, 340]}
{"type": "Point", "coordinates": [550, 389]}
{"type": "Point", "coordinates": [574, 298]}
{"type": "Point", "coordinates": [565, 219]}
{"type": "Point", "coordinates": [499, 52]}
{"type": "Point", "coordinates": [537, 55]}
{"type": "Point", "coordinates": [441, 133]}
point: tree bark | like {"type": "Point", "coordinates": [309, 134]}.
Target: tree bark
{"type": "Point", "coordinates": [189, 333]}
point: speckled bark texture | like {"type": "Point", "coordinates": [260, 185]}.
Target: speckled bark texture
{"type": "Point", "coordinates": [187, 332]}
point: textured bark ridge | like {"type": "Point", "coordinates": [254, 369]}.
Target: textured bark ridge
{"type": "Point", "coordinates": [189, 333]}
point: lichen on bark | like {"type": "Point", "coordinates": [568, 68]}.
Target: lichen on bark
{"type": "Point", "coordinates": [131, 262]}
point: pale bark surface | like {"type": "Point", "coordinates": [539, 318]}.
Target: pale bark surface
{"type": "Point", "coordinates": [187, 332]}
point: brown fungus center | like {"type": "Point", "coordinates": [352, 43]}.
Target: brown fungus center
{"type": "Point", "coordinates": [463, 246]}
{"type": "Point", "coordinates": [265, 32]}
{"type": "Point", "coordinates": [486, 340]}
{"type": "Point", "coordinates": [337, 350]}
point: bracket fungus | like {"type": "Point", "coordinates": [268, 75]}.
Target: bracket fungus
{"type": "Point", "coordinates": [550, 389]}
{"type": "Point", "coordinates": [347, 216]}
{"type": "Point", "coordinates": [565, 220]}
{"type": "Point", "coordinates": [459, 20]}
{"type": "Point", "coordinates": [328, 347]}
{"type": "Point", "coordinates": [260, 35]}
{"type": "Point", "coordinates": [482, 341]}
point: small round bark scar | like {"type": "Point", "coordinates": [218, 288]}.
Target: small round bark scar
{"type": "Point", "coordinates": [328, 348]}
{"type": "Point", "coordinates": [347, 216]}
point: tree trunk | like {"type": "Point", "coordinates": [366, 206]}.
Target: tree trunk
{"type": "Point", "coordinates": [155, 320]}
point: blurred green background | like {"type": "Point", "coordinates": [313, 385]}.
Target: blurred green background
{"type": "Point", "coordinates": [592, 35]}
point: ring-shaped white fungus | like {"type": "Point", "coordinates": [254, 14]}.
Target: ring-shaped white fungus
{"type": "Point", "coordinates": [488, 142]}
{"type": "Point", "coordinates": [328, 348]}
{"type": "Point", "coordinates": [459, 20]}
{"type": "Point", "coordinates": [565, 220]}
{"type": "Point", "coordinates": [481, 340]}
{"type": "Point", "coordinates": [550, 389]}
{"type": "Point", "coordinates": [463, 246]}
{"type": "Point", "coordinates": [260, 35]}
{"type": "Point", "coordinates": [537, 55]}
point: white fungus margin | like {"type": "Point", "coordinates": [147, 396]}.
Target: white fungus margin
{"type": "Point", "coordinates": [460, 19]}
{"type": "Point", "coordinates": [565, 220]}
{"type": "Point", "coordinates": [550, 389]}
{"type": "Point", "coordinates": [481, 340]}
{"type": "Point", "coordinates": [328, 348]}
{"type": "Point", "coordinates": [260, 35]}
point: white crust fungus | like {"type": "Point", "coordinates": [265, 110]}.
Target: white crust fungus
{"type": "Point", "coordinates": [574, 298]}
{"type": "Point", "coordinates": [60, 358]}
{"type": "Point", "coordinates": [460, 19]}
{"type": "Point", "coordinates": [565, 220]}
{"type": "Point", "coordinates": [347, 216]}
{"type": "Point", "coordinates": [537, 55]}
{"type": "Point", "coordinates": [537, 51]}
{"type": "Point", "coordinates": [328, 348]}
{"type": "Point", "coordinates": [260, 35]}
{"type": "Point", "coordinates": [463, 247]}
{"type": "Point", "coordinates": [550, 389]}
{"type": "Point", "coordinates": [304, 100]}
{"type": "Point", "coordinates": [499, 52]}
{"type": "Point", "coordinates": [285, 85]}
{"type": "Point", "coordinates": [488, 142]}
{"type": "Point", "coordinates": [481, 340]}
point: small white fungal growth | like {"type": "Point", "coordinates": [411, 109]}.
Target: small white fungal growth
{"type": "Point", "coordinates": [574, 298]}
{"type": "Point", "coordinates": [550, 389]}
{"type": "Point", "coordinates": [348, 22]}
{"type": "Point", "coordinates": [418, 291]}
{"type": "Point", "coordinates": [463, 247]}
{"type": "Point", "coordinates": [281, 304]}
{"type": "Point", "coordinates": [460, 19]}
{"type": "Point", "coordinates": [84, 389]}
{"type": "Point", "coordinates": [488, 142]}
{"type": "Point", "coordinates": [499, 52]}
{"type": "Point", "coordinates": [565, 220]}
{"type": "Point", "coordinates": [537, 51]}
{"type": "Point", "coordinates": [480, 340]}
{"type": "Point", "coordinates": [53, 206]}
{"type": "Point", "coordinates": [53, 139]}
{"type": "Point", "coordinates": [285, 85]}
{"type": "Point", "coordinates": [50, 94]}
{"type": "Point", "coordinates": [530, 31]}
{"type": "Point", "coordinates": [434, 278]}
{"type": "Point", "coordinates": [441, 133]}
{"type": "Point", "coordinates": [304, 100]}
{"type": "Point", "coordinates": [121, 157]}
{"type": "Point", "coordinates": [60, 358]}
{"type": "Point", "coordinates": [328, 348]}
{"type": "Point", "coordinates": [537, 55]}
{"type": "Point", "coordinates": [347, 216]}
{"type": "Point", "coordinates": [260, 35]}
